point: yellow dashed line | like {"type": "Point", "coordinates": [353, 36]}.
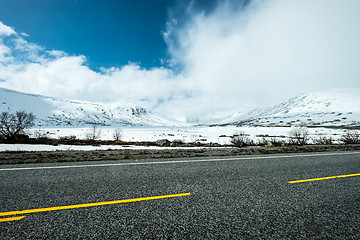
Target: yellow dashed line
{"type": "Point", "coordinates": [83, 205]}
{"type": "Point", "coordinates": [11, 219]}
{"type": "Point", "coordinates": [324, 178]}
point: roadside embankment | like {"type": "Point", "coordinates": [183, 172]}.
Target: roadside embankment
{"type": "Point", "coordinates": [22, 157]}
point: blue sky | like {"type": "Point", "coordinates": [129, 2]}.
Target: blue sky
{"type": "Point", "coordinates": [183, 58]}
{"type": "Point", "coordinates": [108, 32]}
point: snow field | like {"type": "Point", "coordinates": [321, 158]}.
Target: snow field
{"type": "Point", "coordinates": [219, 135]}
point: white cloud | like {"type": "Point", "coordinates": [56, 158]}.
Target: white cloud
{"type": "Point", "coordinates": [6, 30]}
{"type": "Point", "coordinates": [24, 34]}
{"type": "Point", "coordinates": [64, 77]}
{"type": "Point", "coordinates": [5, 52]}
{"type": "Point", "coordinates": [68, 77]}
{"type": "Point", "coordinates": [270, 51]}
{"type": "Point", "coordinates": [231, 58]}
{"type": "Point", "coordinates": [57, 53]}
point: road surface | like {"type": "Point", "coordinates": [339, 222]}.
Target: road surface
{"type": "Point", "coordinates": [247, 197]}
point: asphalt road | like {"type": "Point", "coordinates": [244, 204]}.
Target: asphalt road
{"type": "Point", "coordinates": [248, 197]}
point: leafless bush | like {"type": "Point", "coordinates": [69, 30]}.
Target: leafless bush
{"type": "Point", "coordinates": [118, 134]}
{"type": "Point", "coordinates": [67, 138]}
{"type": "Point", "coordinates": [177, 143]}
{"type": "Point", "coordinates": [274, 142]}
{"type": "Point", "coordinates": [263, 141]}
{"type": "Point", "coordinates": [241, 140]}
{"type": "Point", "coordinates": [299, 135]}
{"type": "Point", "coordinates": [323, 140]}
{"type": "Point", "coordinates": [94, 133]}
{"type": "Point", "coordinates": [41, 134]}
{"type": "Point", "coordinates": [350, 137]}
{"type": "Point", "coordinates": [12, 126]}
{"type": "Point", "coordinates": [193, 137]}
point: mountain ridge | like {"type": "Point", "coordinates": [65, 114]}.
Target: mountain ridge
{"type": "Point", "coordinates": [327, 108]}
{"type": "Point", "coordinates": [332, 107]}
{"type": "Point", "coordinates": [52, 111]}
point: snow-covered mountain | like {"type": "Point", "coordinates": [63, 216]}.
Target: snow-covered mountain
{"type": "Point", "coordinates": [50, 111]}
{"type": "Point", "coordinates": [335, 107]}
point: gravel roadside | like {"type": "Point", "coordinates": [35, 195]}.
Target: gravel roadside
{"type": "Point", "coordinates": [23, 157]}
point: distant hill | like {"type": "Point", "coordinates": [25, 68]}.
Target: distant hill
{"type": "Point", "coordinates": [335, 107]}
{"type": "Point", "coordinates": [52, 111]}
{"type": "Point", "coordinates": [332, 108]}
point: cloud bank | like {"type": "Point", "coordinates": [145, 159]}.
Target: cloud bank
{"type": "Point", "coordinates": [230, 58]}
{"type": "Point", "coordinates": [269, 51]}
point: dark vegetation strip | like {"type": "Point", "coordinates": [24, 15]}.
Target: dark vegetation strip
{"type": "Point", "coordinates": [21, 157]}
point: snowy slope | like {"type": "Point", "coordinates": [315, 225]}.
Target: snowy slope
{"type": "Point", "coordinates": [51, 111]}
{"type": "Point", "coordinates": [335, 107]}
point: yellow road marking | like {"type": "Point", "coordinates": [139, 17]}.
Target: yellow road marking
{"type": "Point", "coordinates": [11, 219]}
{"type": "Point", "coordinates": [89, 205]}
{"type": "Point", "coordinates": [324, 178]}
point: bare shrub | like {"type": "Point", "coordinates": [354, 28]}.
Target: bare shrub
{"type": "Point", "coordinates": [12, 126]}
{"type": "Point", "coordinates": [323, 140]}
{"type": "Point", "coordinates": [118, 134]}
{"type": "Point", "coordinates": [241, 140]}
{"type": "Point", "coordinates": [177, 143]}
{"type": "Point", "coordinates": [350, 137]}
{"type": "Point", "coordinates": [270, 142]}
{"type": "Point", "coordinates": [193, 138]}
{"type": "Point", "coordinates": [94, 133]}
{"type": "Point", "coordinates": [263, 141]}
{"type": "Point", "coordinates": [41, 134]}
{"type": "Point", "coordinates": [299, 135]}
{"type": "Point", "coordinates": [274, 142]}
{"type": "Point", "coordinates": [67, 138]}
